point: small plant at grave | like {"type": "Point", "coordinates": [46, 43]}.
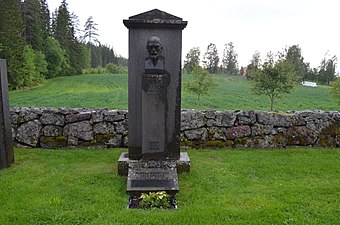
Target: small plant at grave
{"type": "Point", "coordinates": [158, 199]}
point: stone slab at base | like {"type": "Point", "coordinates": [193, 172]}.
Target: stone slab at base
{"type": "Point", "coordinates": [143, 179]}
{"type": "Point", "coordinates": [183, 164]}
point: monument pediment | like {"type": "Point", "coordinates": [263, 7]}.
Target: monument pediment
{"type": "Point", "coordinates": [155, 18]}
{"type": "Point", "coordinates": [154, 15]}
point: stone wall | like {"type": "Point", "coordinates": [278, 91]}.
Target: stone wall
{"type": "Point", "coordinates": [101, 128]}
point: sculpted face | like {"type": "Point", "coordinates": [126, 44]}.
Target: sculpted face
{"type": "Point", "coordinates": [154, 48]}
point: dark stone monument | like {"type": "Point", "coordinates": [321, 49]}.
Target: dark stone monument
{"type": "Point", "coordinates": [6, 142]}
{"type": "Point", "coordinates": [154, 158]}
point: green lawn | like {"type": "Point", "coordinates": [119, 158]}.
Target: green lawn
{"type": "Point", "coordinates": [110, 91]}
{"type": "Point", "coordinates": [280, 186]}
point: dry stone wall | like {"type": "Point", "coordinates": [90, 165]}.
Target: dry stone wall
{"type": "Point", "coordinates": [102, 128]}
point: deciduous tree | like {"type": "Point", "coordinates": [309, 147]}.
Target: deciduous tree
{"type": "Point", "coordinates": [202, 82]}
{"type": "Point", "coordinates": [335, 90]}
{"type": "Point", "coordinates": [274, 79]}
{"type": "Point", "coordinates": [55, 57]}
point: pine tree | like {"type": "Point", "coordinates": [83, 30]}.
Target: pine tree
{"type": "Point", "coordinates": [31, 14]}
{"type": "Point", "coordinates": [64, 31]}
{"type": "Point", "coordinates": [12, 41]}
{"type": "Point", "coordinates": [229, 61]}
{"type": "Point", "coordinates": [90, 32]}
{"type": "Point", "coordinates": [45, 20]}
{"type": "Point", "coordinates": [255, 64]}
{"type": "Point", "coordinates": [211, 59]}
{"type": "Point", "coordinates": [327, 72]}
{"type": "Point", "coordinates": [192, 59]}
{"type": "Point", "coordinates": [294, 56]}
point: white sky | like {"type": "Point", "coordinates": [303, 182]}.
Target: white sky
{"type": "Point", "coordinates": [263, 25]}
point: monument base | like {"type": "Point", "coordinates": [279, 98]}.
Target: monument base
{"type": "Point", "coordinates": [124, 163]}
{"type": "Point", "coordinates": [144, 178]}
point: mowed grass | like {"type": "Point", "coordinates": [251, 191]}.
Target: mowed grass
{"type": "Point", "coordinates": [111, 91]}
{"type": "Point", "coordinates": [290, 186]}
{"type": "Point", "coordinates": [83, 91]}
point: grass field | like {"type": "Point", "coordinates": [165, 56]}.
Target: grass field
{"type": "Point", "coordinates": [110, 91]}
{"type": "Point", "coordinates": [291, 186]}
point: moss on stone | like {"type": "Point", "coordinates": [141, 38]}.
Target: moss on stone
{"type": "Point", "coordinates": [241, 141]}
{"type": "Point", "coordinates": [333, 129]}
{"type": "Point", "coordinates": [327, 141]}
{"type": "Point", "coordinates": [103, 138]}
{"type": "Point", "coordinates": [278, 140]}
{"type": "Point", "coordinates": [214, 144]}
{"type": "Point", "coordinates": [89, 143]}
{"type": "Point", "coordinates": [53, 142]}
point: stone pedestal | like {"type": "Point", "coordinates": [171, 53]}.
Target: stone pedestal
{"type": "Point", "coordinates": [154, 158]}
{"type": "Point", "coordinates": [168, 29]}
{"type": "Point", "coordinates": [6, 142]}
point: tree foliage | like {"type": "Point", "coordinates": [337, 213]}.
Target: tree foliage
{"type": "Point", "coordinates": [211, 59]}
{"type": "Point", "coordinates": [35, 66]}
{"type": "Point", "coordinates": [335, 90]}
{"type": "Point", "coordinates": [192, 59]}
{"type": "Point", "coordinates": [229, 61]}
{"type": "Point", "coordinates": [55, 57]}
{"type": "Point", "coordinates": [327, 70]}
{"type": "Point", "coordinates": [31, 42]}
{"type": "Point", "coordinates": [45, 19]}
{"type": "Point", "coordinates": [255, 64]}
{"type": "Point", "coordinates": [294, 56]}
{"type": "Point", "coordinates": [274, 79]}
{"type": "Point", "coordinates": [32, 17]}
{"type": "Point", "coordinates": [90, 32]}
{"type": "Point", "coordinates": [12, 41]}
{"type": "Point", "coordinates": [202, 82]}
{"type": "Point", "coordinates": [64, 31]}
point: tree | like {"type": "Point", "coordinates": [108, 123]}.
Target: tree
{"type": "Point", "coordinates": [192, 59]}
{"type": "Point", "coordinates": [327, 70]}
{"type": "Point", "coordinates": [335, 90]}
{"type": "Point", "coordinates": [56, 58]}
{"type": "Point", "coordinates": [211, 59]}
{"type": "Point", "coordinates": [294, 56]}
{"type": "Point", "coordinates": [201, 83]}
{"type": "Point", "coordinates": [32, 17]}
{"type": "Point", "coordinates": [229, 61]}
{"type": "Point", "coordinates": [45, 20]}
{"type": "Point", "coordinates": [34, 66]}
{"type": "Point", "coordinates": [12, 41]}
{"type": "Point", "coordinates": [312, 74]}
{"type": "Point", "coordinates": [274, 79]}
{"type": "Point", "coordinates": [90, 32]}
{"type": "Point", "coordinates": [64, 30]}
{"type": "Point", "coordinates": [255, 63]}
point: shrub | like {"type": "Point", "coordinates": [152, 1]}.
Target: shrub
{"type": "Point", "coordinates": [116, 69]}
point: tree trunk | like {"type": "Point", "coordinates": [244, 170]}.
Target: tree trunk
{"type": "Point", "coordinates": [271, 103]}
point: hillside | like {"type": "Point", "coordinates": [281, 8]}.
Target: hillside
{"type": "Point", "coordinates": [110, 91]}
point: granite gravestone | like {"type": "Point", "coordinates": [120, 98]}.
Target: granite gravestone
{"type": "Point", "coordinates": [154, 158]}
{"type": "Point", "coordinates": [6, 142]}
